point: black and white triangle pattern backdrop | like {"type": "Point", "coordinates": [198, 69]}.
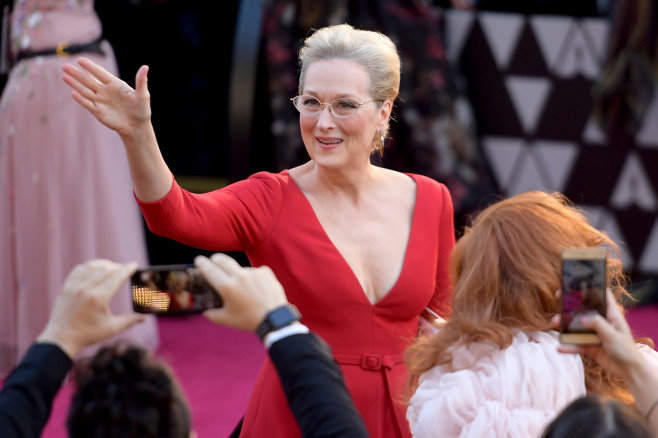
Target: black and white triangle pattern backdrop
{"type": "Point", "coordinates": [530, 81]}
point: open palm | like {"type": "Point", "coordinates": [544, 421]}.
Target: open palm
{"type": "Point", "coordinates": [112, 101]}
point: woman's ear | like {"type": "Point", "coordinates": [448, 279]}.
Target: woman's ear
{"type": "Point", "coordinates": [385, 113]}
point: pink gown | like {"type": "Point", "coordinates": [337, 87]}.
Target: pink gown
{"type": "Point", "coordinates": [65, 191]}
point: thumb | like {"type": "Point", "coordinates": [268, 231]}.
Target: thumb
{"type": "Point", "coordinates": [141, 80]}
{"type": "Point", "coordinates": [124, 322]}
{"type": "Point", "coordinates": [218, 315]}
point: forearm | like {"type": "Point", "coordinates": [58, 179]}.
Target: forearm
{"type": "Point", "coordinates": [27, 395]}
{"type": "Point", "coordinates": [315, 388]}
{"type": "Point", "coordinates": [643, 384]}
{"type": "Point", "coordinates": [150, 174]}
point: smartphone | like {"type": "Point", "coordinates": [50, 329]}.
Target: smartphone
{"type": "Point", "coordinates": [172, 290]}
{"type": "Point", "coordinates": [583, 293]}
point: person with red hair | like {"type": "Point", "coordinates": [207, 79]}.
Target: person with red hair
{"type": "Point", "coordinates": [493, 368]}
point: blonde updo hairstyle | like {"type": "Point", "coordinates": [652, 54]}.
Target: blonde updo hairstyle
{"type": "Point", "coordinates": [372, 50]}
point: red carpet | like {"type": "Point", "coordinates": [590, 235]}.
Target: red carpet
{"type": "Point", "coordinates": [217, 367]}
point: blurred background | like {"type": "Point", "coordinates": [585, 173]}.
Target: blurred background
{"type": "Point", "coordinates": [497, 98]}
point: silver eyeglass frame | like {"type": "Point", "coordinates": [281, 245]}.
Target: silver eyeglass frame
{"type": "Point", "coordinates": [330, 106]}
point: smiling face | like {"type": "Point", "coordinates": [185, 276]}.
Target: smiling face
{"type": "Point", "coordinates": [331, 141]}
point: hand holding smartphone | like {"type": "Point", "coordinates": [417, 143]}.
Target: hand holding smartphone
{"type": "Point", "coordinates": [583, 293]}
{"type": "Point", "coordinates": [172, 290]}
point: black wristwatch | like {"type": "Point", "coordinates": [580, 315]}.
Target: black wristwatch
{"type": "Point", "coordinates": [278, 318]}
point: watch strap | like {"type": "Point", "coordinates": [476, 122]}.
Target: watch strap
{"type": "Point", "coordinates": [278, 318]}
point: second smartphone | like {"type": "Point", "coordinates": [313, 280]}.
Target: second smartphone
{"type": "Point", "coordinates": [583, 293]}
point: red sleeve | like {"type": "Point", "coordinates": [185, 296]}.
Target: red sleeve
{"type": "Point", "coordinates": [237, 217]}
{"type": "Point", "coordinates": [442, 299]}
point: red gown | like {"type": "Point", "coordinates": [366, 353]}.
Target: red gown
{"type": "Point", "coordinates": [269, 218]}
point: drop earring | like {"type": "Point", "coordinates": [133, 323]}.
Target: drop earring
{"type": "Point", "coordinates": [381, 140]}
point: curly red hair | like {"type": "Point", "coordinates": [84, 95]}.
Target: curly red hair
{"type": "Point", "coordinates": [506, 269]}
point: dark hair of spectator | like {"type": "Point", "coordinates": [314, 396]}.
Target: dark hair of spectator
{"type": "Point", "coordinates": [599, 417]}
{"type": "Point", "coordinates": [126, 393]}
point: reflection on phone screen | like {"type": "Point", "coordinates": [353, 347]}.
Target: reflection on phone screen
{"type": "Point", "coordinates": [172, 289]}
{"type": "Point", "coordinates": [583, 292]}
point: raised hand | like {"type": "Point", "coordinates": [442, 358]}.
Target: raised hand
{"type": "Point", "coordinates": [618, 351]}
{"type": "Point", "coordinates": [248, 293]}
{"type": "Point", "coordinates": [81, 315]}
{"type": "Point", "coordinates": [619, 355]}
{"type": "Point", "coordinates": [128, 112]}
{"type": "Point", "coordinates": [111, 100]}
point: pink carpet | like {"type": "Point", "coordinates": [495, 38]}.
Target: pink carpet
{"type": "Point", "coordinates": [644, 321]}
{"type": "Point", "coordinates": [217, 367]}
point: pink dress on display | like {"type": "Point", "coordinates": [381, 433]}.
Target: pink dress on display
{"type": "Point", "coordinates": [65, 190]}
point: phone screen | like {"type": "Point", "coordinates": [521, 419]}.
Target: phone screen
{"type": "Point", "coordinates": [172, 290]}
{"type": "Point", "coordinates": [583, 292]}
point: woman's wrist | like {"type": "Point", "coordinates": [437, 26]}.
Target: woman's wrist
{"type": "Point", "coordinates": [643, 384]}
{"type": "Point", "coordinates": [140, 133]}
{"type": "Point", "coordinates": [71, 349]}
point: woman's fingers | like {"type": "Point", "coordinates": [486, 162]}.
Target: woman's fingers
{"type": "Point", "coordinates": [216, 277]}
{"type": "Point", "coordinates": [110, 283]}
{"type": "Point", "coordinates": [614, 315]}
{"type": "Point", "coordinates": [98, 72]}
{"type": "Point", "coordinates": [85, 87]}
{"type": "Point", "coordinates": [87, 274]}
{"type": "Point", "coordinates": [85, 103]}
{"type": "Point", "coordinates": [80, 92]}
{"type": "Point", "coordinates": [92, 82]}
{"type": "Point", "coordinates": [570, 348]}
{"type": "Point", "coordinates": [80, 79]}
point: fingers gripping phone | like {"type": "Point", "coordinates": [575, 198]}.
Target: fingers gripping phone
{"type": "Point", "coordinates": [172, 290]}
{"type": "Point", "coordinates": [583, 293]}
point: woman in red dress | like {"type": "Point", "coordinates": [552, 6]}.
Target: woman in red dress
{"type": "Point", "coordinates": [361, 250]}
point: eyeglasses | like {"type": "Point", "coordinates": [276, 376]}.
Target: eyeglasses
{"type": "Point", "coordinates": [343, 107]}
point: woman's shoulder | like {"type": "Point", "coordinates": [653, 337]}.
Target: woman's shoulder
{"type": "Point", "coordinates": [536, 352]}
{"type": "Point", "coordinates": [271, 176]}
{"type": "Point", "coordinates": [428, 187]}
{"type": "Point", "coordinates": [526, 347]}
{"type": "Point", "coordinates": [431, 193]}
{"type": "Point", "coordinates": [518, 385]}
{"type": "Point", "coordinates": [264, 179]}
{"type": "Point", "coordinates": [533, 355]}
{"type": "Point", "coordinates": [421, 182]}
{"type": "Point", "coordinates": [261, 187]}
{"type": "Point", "coordinates": [425, 180]}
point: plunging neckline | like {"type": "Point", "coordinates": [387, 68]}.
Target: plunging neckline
{"type": "Point", "coordinates": [342, 258]}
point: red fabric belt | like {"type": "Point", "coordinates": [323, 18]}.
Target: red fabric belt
{"type": "Point", "coordinates": [375, 362]}
{"type": "Point", "coordinates": [371, 362]}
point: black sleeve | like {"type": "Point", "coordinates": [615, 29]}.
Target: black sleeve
{"type": "Point", "coordinates": [28, 392]}
{"type": "Point", "coordinates": [315, 388]}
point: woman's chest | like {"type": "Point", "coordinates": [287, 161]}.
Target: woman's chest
{"type": "Point", "coordinates": [319, 273]}
{"type": "Point", "coordinates": [372, 241]}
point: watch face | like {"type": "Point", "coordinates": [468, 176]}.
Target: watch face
{"type": "Point", "coordinates": [282, 316]}
{"type": "Point", "coordinates": [278, 318]}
